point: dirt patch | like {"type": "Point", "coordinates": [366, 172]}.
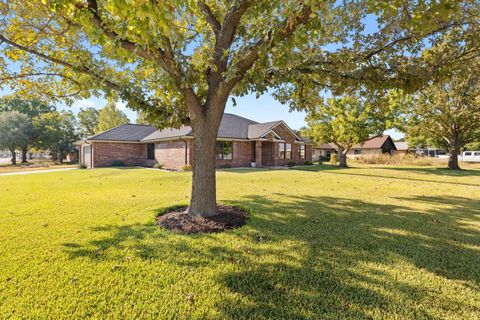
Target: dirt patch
{"type": "Point", "coordinates": [228, 217]}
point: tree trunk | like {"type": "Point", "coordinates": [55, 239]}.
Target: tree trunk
{"type": "Point", "coordinates": [454, 151]}
{"type": "Point", "coordinates": [24, 154]}
{"type": "Point", "coordinates": [342, 158]}
{"type": "Point", "coordinates": [14, 156]}
{"type": "Point", "coordinates": [203, 202]}
{"type": "Point", "coordinates": [59, 157]}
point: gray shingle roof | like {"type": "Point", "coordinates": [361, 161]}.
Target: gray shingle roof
{"type": "Point", "coordinates": [125, 132]}
{"type": "Point", "coordinates": [169, 133]}
{"type": "Point", "coordinates": [257, 130]}
{"type": "Point", "coordinates": [231, 126]}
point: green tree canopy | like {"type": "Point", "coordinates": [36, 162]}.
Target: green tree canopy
{"type": "Point", "coordinates": [110, 117]}
{"type": "Point", "coordinates": [32, 108]}
{"type": "Point", "coordinates": [352, 119]}
{"type": "Point", "coordinates": [57, 133]}
{"type": "Point", "coordinates": [88, 120]}
{"type": "Point", "coordinates": [15, 129]}
{"type": "Point", "coordinates": [180, 61]}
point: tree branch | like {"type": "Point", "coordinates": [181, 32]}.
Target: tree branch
{"type": "Point", "coordinates": [209, 16]}
{"type": "Point", "coordinates": [248, 60]}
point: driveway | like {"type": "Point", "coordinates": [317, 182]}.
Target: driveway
{"type": "Point", "coordinates": [35, 171]}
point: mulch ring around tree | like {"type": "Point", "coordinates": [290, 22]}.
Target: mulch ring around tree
{"type": "Point", "coordinates": [227, 218]}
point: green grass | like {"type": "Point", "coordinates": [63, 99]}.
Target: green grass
{"type": "Point", "coordinates": [382, 243]}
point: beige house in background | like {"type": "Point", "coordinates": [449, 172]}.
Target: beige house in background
{"type": "Point", "coordinates": [323, 150]}
{"type": "Point", "coordinates": [373, 146]}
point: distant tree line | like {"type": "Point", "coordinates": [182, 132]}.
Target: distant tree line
{"type": "Point", "coordinates": [27, 125]}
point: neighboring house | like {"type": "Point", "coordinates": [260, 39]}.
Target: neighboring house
{"type": "Point", "coordinates": [240, 143]}
{"type": "Point", "coordinates": [402, 148]}
{"type": "Point", "coordinates": [323, 150]}
{"type": "Point", "coordinates": [373, 146]}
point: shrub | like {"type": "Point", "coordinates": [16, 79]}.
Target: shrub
{"type": "Point", "coordinates": [158, 166]}
{"type": "Point", "coordinates": [291, 164]}
{"type": "Point", "coordinates": [82, 166]}
{"type": "Point", "coordinates": [187, 167]}
{"type": "Point", "coordinates": [118, 163]}
{"type": "Point", "coordinates": [308, 163]}
{"type": "Point", "coordinates": [333, 158]}
{"type": "Point", "coordinates": [226, 166]}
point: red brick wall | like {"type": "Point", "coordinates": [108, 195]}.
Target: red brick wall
{"type": "Point", "coordinates": [286, 135]}
{"type": "Point", "coordinates": [171, 154]}
{"type": "Point", "coordinates": [242, 155]}
{"type": "Point", "coordinates": [104, 153]}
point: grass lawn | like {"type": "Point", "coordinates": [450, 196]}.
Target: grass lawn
{"type": "Point", "coordinates": [382, 243]}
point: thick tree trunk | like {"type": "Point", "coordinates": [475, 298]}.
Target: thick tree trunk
{"type": "Point", "coordinates": [342, 159]}
{"type": "Point", "coordinates": [24, 154]}
{"type": "Point", "coordinates": [454, 151]}
{"type": "Point", "coordinates": [14, 156]}
{"type": "Point", "coordinates": [203, 202]}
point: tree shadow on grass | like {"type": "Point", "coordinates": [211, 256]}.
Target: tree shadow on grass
{"type": "Point", "coordinates": [306, 257]}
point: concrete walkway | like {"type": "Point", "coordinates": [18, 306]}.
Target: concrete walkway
{"type": "Point", "coordinates": [35, 171]}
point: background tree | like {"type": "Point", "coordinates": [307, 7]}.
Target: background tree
{"type": "Point", "coordinates": [32, 108]}
{"type": "Point", "coordinates": [352, 119]}
{"type": "Point", "coordinates": [58, 133]}
{"type": "Point", "coordinates": [448, 112]}
{"type": "Point", "coordinates": [15, 129]}
{"type": "Point", "coordinates": [473, 146]}
{"type": "Point", "coordinates": [110, 117]}
{"type": "Point", "coordinates": [88, 121]}
{"type": "Point", "coordinates": [180, 61]}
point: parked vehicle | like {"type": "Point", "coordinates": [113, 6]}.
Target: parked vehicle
{"type": "Point", "coordinates": [471, 156]}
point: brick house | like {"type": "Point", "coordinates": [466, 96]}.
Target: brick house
{"type": "Point", "coordinates": [240, 143]}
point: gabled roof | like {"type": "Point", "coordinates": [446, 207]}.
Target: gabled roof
{"type": "Point", "coordinates": [231, 127]}
{"type": "Point", "coordinates": [330, 145]}
{"type": "Point", "coordinates": [373, 143]}
{"type": "Point", "coordinates": [402, 146]}
{"type": "Point", "coordinates": [124, 132]}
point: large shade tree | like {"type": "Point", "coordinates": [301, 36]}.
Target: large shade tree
{"type": "Point", "coordinates": [448, 111]}
{"type": "Point", "coordinates": [180, 60]}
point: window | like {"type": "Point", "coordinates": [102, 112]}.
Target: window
{"type": "Point", "coordinates": [225, 150]}
{"type": "Point", "coordinates": [151, 151]}
{"type": "Point", "coordinates": [281, 149]}
{"type": "Point", "coordinates": [328, 152]}
{"type": "Point", "coordinates": [357, 151]}
{"type": "Point", "coordinates": [476, 154]}
{"type": "Point", "coordinates": [468, 153]}
{"type": "Point", "coordinates": [288, 151]}
{"type": "Point", "coordinates": [301, 151]}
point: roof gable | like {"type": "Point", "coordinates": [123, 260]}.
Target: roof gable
{"type": "Point", "coordinates": [374, 143]}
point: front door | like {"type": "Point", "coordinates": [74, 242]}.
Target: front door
{"type": "Point", "coordinates": [267, 153]}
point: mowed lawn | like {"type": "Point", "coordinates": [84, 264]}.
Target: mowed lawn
{"type": "Point", "coordinates": [382, 243]}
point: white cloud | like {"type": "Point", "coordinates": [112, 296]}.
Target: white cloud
{"type": "Point", "coordinates": [85, 103]}
{"type": "Point", "coordinates": [120, 105]}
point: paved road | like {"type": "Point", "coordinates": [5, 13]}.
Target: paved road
{"type": "Point", "coordinates": [36, 171]}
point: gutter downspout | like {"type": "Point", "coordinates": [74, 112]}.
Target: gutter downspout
{"type": "Point", "coordinates": [186, 151]}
